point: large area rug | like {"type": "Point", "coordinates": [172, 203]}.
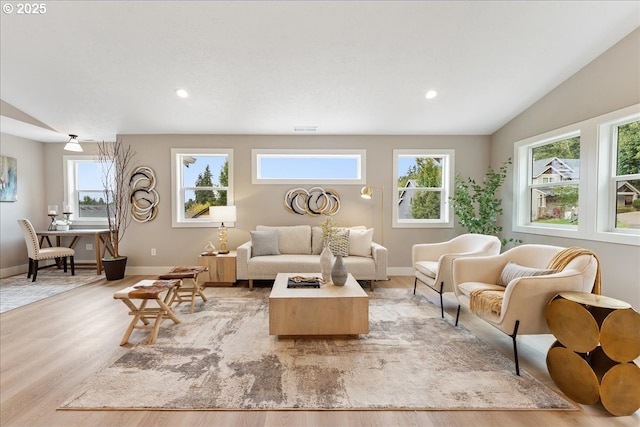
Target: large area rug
{"type": "Point", "coordinates": [16, 291]}
{"type": "Point", "coordinates": [222, 357]}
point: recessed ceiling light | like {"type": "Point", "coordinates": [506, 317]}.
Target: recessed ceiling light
{"type": "Point", "coordinates": [182, 93]}
{"type": "Point", "coordinates": [431, 94]}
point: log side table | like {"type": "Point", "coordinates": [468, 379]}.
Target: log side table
{"type": "Point", "coordinates": [598, 339]}
{"type": "Point", "coordinates": [221, 269]}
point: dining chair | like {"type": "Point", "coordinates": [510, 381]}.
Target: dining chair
{"type": "Point", "coordinates": [36, 253]}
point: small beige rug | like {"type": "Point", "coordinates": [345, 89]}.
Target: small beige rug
{"type": "Point", "coordinates": [17, 291]}
{"type": "Point", "coordinates": [222, 357]}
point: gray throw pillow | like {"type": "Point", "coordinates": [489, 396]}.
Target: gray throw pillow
{"type": "Point", "coordinates": [264, 242]}
{"type": "Point", "coordinates": [513, 271]}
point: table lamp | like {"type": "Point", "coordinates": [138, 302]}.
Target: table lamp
{"type": "Point", "coordinates": [222, 214]}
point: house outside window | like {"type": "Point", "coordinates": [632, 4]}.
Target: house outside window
{"type": "Point", "coordinates": [84, 190]}
{"type": "Point", "coordinates": [422, 187]}
{"type": "Point", "coordinates": [201, 178]}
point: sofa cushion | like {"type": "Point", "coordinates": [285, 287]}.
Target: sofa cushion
{"type": "Point", "coordinates": [513, 271]}
{"type": "Point", "coordinates": [428, 268]}
{"type": "Point", "coordinates": [317, 241]}
{"type": "Point", "coordinates": [264, 242]}
{"type": "Point", "coordinates": [360, 242]}
{"type": "Point", "coordinates": [467, 288]}
{"type": "Point", "coordinates": [294, 239]}
{"type": "Point", "coordinates": [339, 244]}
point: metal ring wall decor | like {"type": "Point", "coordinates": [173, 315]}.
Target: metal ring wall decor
{"type": "Point", "coordinates": [144, 198]}
{"type": "Point", "coordinates": [315, 201]}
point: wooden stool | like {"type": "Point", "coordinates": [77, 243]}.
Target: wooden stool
{"type": "Point", "coordinates": [191, 289]}
{"type": "Point", "coordinates": [145, 291]}
{"type": "Point", "coordinates": [598, 339]}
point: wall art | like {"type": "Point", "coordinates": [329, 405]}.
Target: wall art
{"type": "Point", "coordinates": [8, 179]}
{"type": "Point", "coordinates": [315, 201]}
{"type": "Point", "coordinates": [144, 197]}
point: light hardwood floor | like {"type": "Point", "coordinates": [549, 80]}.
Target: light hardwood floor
{"type": "Point", "coordinates": [48, 348]}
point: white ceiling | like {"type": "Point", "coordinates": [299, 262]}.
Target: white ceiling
{"type": "Point", "coordinates": [101, 68]}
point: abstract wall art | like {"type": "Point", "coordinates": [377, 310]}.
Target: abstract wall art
{"type": "Point", "coordinates": [8, 179]}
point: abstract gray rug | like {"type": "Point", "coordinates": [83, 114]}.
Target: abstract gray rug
{"type": "Point", "coordinates": [222, 357]}
{"type": "Point", "coordinates": [16, 291]}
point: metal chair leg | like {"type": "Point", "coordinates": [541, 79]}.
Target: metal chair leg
{"type": "Point", "coordinates": [441, 303]}
{"type": "Point", "coordinates": [515, 346]}
{"type": "Point", "coordinates": [415, 283]}
{"type": "Point", "coordinates": [458, 315]}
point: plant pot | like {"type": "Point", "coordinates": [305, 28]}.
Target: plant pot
{"type": "Point", "coordinates": [62, 227]}
{"type": "Point", "coordinates": [114, 267]}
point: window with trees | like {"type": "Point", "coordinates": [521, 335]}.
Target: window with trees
{"type": "Point", "coordinates": [581, 181]}
{"type": "Point", "coordinates": [84, 190]}
{"type": "Point", "coordinates": [201, 178]}
{"type": "Point", "coordinates": [422, 185]}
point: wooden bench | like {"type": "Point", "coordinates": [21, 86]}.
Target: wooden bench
{"type": "Point", "coordinates": [189, 288]}
{"type": "Point", "coordinates": [142, 293]}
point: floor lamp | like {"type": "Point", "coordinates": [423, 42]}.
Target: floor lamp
{"type": "Point", "coordinates": [366, 192]}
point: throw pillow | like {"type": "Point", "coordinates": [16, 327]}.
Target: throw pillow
{"type": "Point", "coordinates": [264, 242]}
{"type": "Point", "coordinates": [360, 242]}
{"type": "Point", "coordinates": [339, 245]}
{"type": "Point", "coordinates": [513, 271]}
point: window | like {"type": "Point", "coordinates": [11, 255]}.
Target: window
{"type": "Point", "coordinates": [422, 186]}
{"type": "Point", "coordinates": [313, 166]}
{"type": "Point", "coordinates": [201, 178]}
{"type": "Point", "coordinates": [619, 178]}
{"type": "Point", "coordinates": [84, 190]}
{"type": "Point", "coordinates": [581, 181]}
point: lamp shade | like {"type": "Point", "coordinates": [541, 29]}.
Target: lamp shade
{"type": "Point", "coordinates": [73, 144]}
{"type": "Point", "coordinates": [366, 192]}
{"type": "Point", "coordinates": [222, 213]}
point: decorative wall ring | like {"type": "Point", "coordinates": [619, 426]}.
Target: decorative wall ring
{"type": "Point", "coordinates": [315, 201]}
{"type": "Point", "coordinates": [144, 198]}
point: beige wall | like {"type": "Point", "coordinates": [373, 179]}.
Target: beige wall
{"type": "Point", "coordinates": [609, 83]}
{"type": "Point", "coordinates": [30, 204]}
{"type": "Point", "coordinates": [263, 204]}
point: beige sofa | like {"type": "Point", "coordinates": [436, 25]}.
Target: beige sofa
{"type": "Point", "coordinates": [297, 250]}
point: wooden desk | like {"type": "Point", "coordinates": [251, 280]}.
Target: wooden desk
{"type": "Point", "coordinates": [101, 236]}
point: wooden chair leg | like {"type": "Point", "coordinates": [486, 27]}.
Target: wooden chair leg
{"type": "Point", "coordinates": [35, 269]}
{"type": "Point", "coordinates": [64, 264]}
{"type": "Point", "coordinates": [30, 272]}
{"type": "Point", "coordinates": [73, 265]}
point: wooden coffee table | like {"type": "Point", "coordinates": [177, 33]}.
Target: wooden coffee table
{"type": "Point", "coordinates": [328, 310]}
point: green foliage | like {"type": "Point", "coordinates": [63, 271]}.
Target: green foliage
{"type": "Point", "coordinates": [636, 204]}
{"type": "Point", "coordinates": [629, 149]}
{"type": "Point", "coordinates": [427, 173]}
{"type": "Point", "coordinates": [476, 205]}
{"type": "Point", "coordinates": [565, 149]}
{"type": "Point", "coordinates": [205, 198]}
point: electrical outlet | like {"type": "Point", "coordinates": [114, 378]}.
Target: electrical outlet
{"type": "Point", "coordinates": [153, 251]}
{"type": "Point", "coordinates": [88, 247]}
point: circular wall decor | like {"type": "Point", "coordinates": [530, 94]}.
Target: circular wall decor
{"type": "Point", "coordinates": [144, 198]}
{"type": "Point", "coordinates": [315, 201]}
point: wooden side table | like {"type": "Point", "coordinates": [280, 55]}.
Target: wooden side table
{"type": "Point", "coordinates": [598, 339]}
{"type": "Point", "coordinates": [221, 269]}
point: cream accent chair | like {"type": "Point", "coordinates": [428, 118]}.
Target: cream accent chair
{"type": "Point", "coordinates": [432, 262]}
{"type": "Point", "coordinates": [36, 253]}
{"type": "Point", "coordinates": [525, 299]}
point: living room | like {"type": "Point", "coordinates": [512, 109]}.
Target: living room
{"type": "Point", "coordinates": [606, 83]}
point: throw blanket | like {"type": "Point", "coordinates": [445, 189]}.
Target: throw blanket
{"type": "Point", "coordinates": [487, 301]}
{"type": "Point", "coordinates": [564, 257]}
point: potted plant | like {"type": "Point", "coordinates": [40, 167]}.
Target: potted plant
{"type": "Point", "coordinates": [115, 159]}
{"type": "Point", "coordinates": [476, 205]}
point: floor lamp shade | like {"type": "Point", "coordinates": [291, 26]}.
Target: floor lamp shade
{"type": "Point", "coordinates": [366, 193]}
{"type": "Point", "coordinates": [222, 214]}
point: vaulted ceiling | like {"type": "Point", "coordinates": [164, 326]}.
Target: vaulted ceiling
{"type": "Point", "coordinates": [103, 68]}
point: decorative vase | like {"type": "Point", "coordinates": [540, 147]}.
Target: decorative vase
{"type": "Point", "coordinates": [325, 264]}
{"type": "Point", "coordinates": [339, 272]}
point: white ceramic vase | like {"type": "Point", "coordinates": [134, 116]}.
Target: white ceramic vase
{"type": "Point", "coordinates": [325, 264]}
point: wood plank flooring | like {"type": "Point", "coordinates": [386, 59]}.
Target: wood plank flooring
{"type": "Point", "coordinates": [48, 348]}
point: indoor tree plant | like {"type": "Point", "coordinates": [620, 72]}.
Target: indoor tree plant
{"type": "Point", "coordinates": [115, 159]}
{"type": "Point", "coordinates": [476, 204]}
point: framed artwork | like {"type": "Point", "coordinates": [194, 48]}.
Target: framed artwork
{"type": "Point", "coordinates": [8, 179]}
